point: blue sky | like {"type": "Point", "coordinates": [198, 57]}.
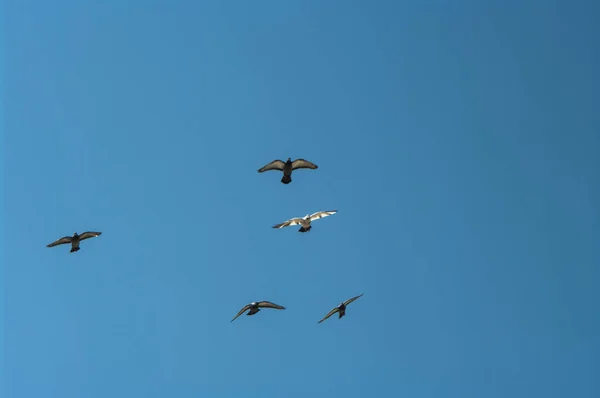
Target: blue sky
{"type": "Point", "coordinates": [459, 142]}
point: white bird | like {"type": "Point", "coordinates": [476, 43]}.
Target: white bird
{"type": "Point", "coordinates": [305, 221]}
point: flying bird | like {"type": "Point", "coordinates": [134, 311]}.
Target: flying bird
{"type": "Point", "coordinates": [305, 221]}
{"type": "Point", "coordinates": [340, 309]}
{"type": "Point", "coordinates": [288, 167]}
{"type": "Point", "coordinates": [254, 307]}
{"type": "Point", "coordinates": [74, 240]}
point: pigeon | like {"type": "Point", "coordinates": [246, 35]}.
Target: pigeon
{"type": "Point", "coordinates": [288, 167]}
{"type": "Point", "coordinates": [341, 309]}
{"type": "Point", "coordinates": [255, 306]}
{"type": "Point", "coordinates": [74, 240]}
{"type": "Point", "coordinates": [305, 221]}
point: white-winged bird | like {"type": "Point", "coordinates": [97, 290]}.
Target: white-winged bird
{"type": "Point", "coordinates": [255, 306]}
{"type": "Point", "coordinates": [288, 167]}
{"type": "Point", "coordinates": [340, 309]}
{"type": "Point", "coordinates": [305, 222]}
{"type": "Point", "coordinates": [74, 240]}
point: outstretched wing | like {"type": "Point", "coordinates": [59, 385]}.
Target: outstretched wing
{"type": "Point", "coordinates": [288, 223]}
{"type": "Point", "coordinates": [321, 214]}
{"type": "Point", "coordinates": [303, 164]}
{"type": "Point", "coordinates": [268, 304]}
{"type": "Point", "coordinates": [330, 313]}
{"type": "Point", "coordinates": [89, 234]}
{"type": "Point", "coordinates": [352, 299]}
{"type": "Point", "coordinates": [246, 308]}
{"type": "Point", "coordinates": [274, 165]}
{"type": "Point", "coordinates": [61, 241]}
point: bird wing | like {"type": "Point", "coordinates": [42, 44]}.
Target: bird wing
{"type": "Point", "coordinates": [330, 313]}
{"type": "Point", "coordinates": [89, 234]}
{"type": "Point", "coordinates": [268, 304]}
{"type": "Point", "coordinates": [303, 164]}
{"type": "Point", "coordinates": [274, 165]}
{"type": "Point", "coordinates": [321, 214]}
{"type": "Point", "coordinates": [352, 299]}
{"type": "Point", "coordinates": [293, 221]}
{"type": "Point", "coordinates": [61, 241]}
{"type": "Point", "coordinates": [244, 309]}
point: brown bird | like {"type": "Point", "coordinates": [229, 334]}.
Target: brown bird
{"type": "Point", "coordinates": [288, 167]}
{"type": "Point", "coordinates": [341, 309]}
{"type": "Point", "coordinates": [74, 240]}
{"type": "Point", "coordinates": [254, 307]}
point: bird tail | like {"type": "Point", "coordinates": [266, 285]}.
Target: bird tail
{"type": "Point", "coordinates": [74, 249]}
{"type": "Point", "coordinates": [302, 229]}
{"type": "Point", "coordinates": [286, 179]}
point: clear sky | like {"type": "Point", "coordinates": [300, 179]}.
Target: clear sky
{"type": "Point", "coordinates": [459, 142]}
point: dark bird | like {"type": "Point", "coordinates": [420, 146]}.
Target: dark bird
{"type": "Point", "coordinates": [288, 167]}
{"type": "Point", "coordinates": [254, 307]}
{"type": "Point", "coordinates": [74, 240]}
{"type": "Point", "coordinates": [340, 309]}
{"type": "Point", "coordinates": [305, 222]}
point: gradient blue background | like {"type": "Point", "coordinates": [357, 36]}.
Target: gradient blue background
{"type": "Point", "coordinates": [458, 140]}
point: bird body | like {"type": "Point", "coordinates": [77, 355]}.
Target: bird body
{"type": "Point", "coordinates": [74, 240]}
{"type": "Point", "coordinates": [305, 222]}
{"type": "Point", "coordinates": [255, 306]}
{"type": "Point", "coordinates": [340, 309]}
{"type": "Point", "coordinates": [287, 167]}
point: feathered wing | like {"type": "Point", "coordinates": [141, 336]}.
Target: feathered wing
{"type": "Point", "coordinates": [61, 241]}
{"type": "Point", "coordinates": [89, 234]}
{"type": "Point", "coordinates": [244, 309]}
{"type": "Point", "coordinates": [268, 304]}
{"type": "Point", "coordinates": [274, 165]}
{"type": "Point", "coordinates": [293, 221]}
{"type": "Point", "coordinates": [330, 313]}
{"type": "Point", "coordinates": [352, 299]}
{"type": "Point", "coordinates": [321, 214]}
{"type": "Point", "coordinates": [303, 164]}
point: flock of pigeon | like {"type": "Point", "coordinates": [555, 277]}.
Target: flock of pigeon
{"type": "Point", "coordinates": [305, 225]}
